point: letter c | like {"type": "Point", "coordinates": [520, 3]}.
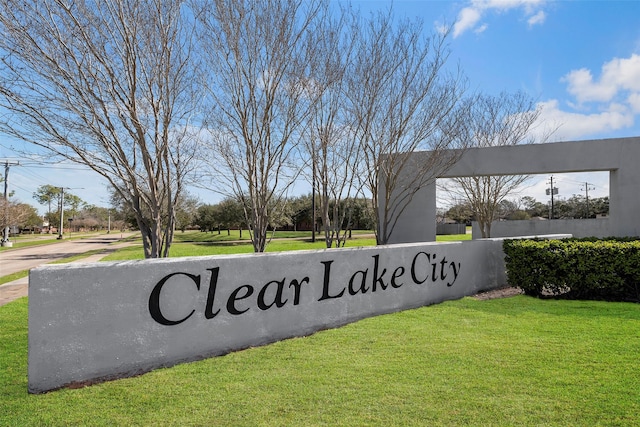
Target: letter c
{"type": "Point", "coordinates": [414, 275]}
{"type": "Point", "coordinates": [154, 300]}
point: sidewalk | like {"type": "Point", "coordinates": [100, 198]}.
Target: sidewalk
{"type": "Point", "coordinates": [20, 288]}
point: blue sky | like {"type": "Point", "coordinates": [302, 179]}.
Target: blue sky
{"type": "Point", "coordinates": [579, 59]}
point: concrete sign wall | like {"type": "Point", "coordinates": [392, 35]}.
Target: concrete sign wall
{"type": "Point", "coordinates": [100, 321]}
{"type": "Point", "coordinates": [619, 156]}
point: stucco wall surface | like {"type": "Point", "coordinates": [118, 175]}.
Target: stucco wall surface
{"type": "Point", "coordinates": [113, 319]}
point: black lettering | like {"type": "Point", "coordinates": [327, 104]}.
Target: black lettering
{"type": "Point", "coordinates": [154, 300]}
{"type": "Point", "coordinates": [278, 297]}
{"type": "Point", "coordinates": [325, 285]}
{"type": "Point", "coordinates": [363, 286]}
{"type": "Point", "coordinates": [414, 276]}
{"type": "Point", "coordinates": [296, 289]}
{"type": "Point", "coordinates": [211, 295]}
{"type": "Point", "coordinates": [378, 280]}
{"type": "Point", "coordinates": [456, 270]}
{"type": "Point", "coordinates": [397, 273]}
{"type": "Point", "coordinates": [231, 302]}
{"type": "Point", "coordinates": [443, 275]}
{"type": "Point", "coordinates": [434, 277]}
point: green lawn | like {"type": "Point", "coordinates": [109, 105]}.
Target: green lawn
{"type": "Point", "coordinates": [514, 361]}
{"type": "Point", "coordinates": [202, 248]}
{"type": "Point", "coordinates": [201, 244]}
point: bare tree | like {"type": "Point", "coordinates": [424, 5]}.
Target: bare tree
{"type": "Point", "coordinates": [257, 56]}
{"type": "Point", "coordinates": [331, 146]}
{"type": "Point", "coordinates": [505, 119]}
{"type": "Point", "coordinates": [403, 100]}
{"type": "Point", "coordinates": [109, 85]}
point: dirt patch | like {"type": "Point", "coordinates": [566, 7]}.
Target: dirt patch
{"type": "Point", "coordinates": [499, 293]}
{"type": "Point", "coordinates": [10, 292]}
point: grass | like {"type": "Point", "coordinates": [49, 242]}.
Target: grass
{"type": "Point", "coordinates": [514, 361]}
{"type": "Point", "coordinates": [14, 276]}
{"type": "Point", "coordinates": [202, 244]}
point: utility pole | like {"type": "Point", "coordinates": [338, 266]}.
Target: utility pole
{"type": "Point", "coordinates": [5, 230]}
{"type": "Point", "coordinates": [61, 228]}
{"type": "Point", "coordinates": [586, 189]}
{"type": "Point", "coordinates": [551, 191]}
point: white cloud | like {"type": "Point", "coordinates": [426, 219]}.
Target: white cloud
{"type": "Point", "coordinates": [469, 17]}
{"type": "Point", "coordinates": [598, 106]}
{"type": "Point", "coordinates": [481, 29]}
{"type": "Point", "coordinates": [571, 125]}
{"type": "Point", "coordinates": [618, 75]}
{"type": "Point", "coordinates": [634, 102]}
{"type": "Point", "coordinates": [582, 86]}
{"type": "Point", "coordinates": [537, 19]}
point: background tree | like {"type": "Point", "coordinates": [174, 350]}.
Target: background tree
{"type": "Point", "coordinates": [576, 207]}
{"type": "Point", "coordinates": [461, 212]}
{"type": "Point", "coordinates": [598, 206]}
{"type": "Point", "coordinates": [403, 101]}
{"type": "Point", "coordinates": [502, 120]}
{"type": "Point", "coordinates": [362, 214]}
{"type": "Point", "coordinates": [20, 215]}
{"type": "Point", "coordinates": [231, 215]}
{"type": "Point", "coordinates": [206, 218]}
{"type": "Point", "coordinates": [186, 211]}
{"type": "Point", "coordinates": [74, 203]}
{"type": "Point", "coordinates": [45, 195]}
{"type": "Point", "coordinates": [93, 217]}
{"type": "Point", "coordinates": [533, 207]}
{"type": "Point", "coordinates": [257, 55]}
{"type": "Point", "coordinates": [110, 85]}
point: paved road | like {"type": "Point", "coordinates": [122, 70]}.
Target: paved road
{"type": "Point", "coordinates": [14, 260]}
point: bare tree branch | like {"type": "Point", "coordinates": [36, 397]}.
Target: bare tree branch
{"type": "Point", "coordinates": [257, 54]}
{"type": "Point", "coordinates": [506, 119]}
{"type": "Point", "coordinates": [403, 101]}
{"type": "Point", "coordinates": [109, 85]}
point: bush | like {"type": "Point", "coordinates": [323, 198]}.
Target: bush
{"type": "Point", "coordinates": [607, 269]}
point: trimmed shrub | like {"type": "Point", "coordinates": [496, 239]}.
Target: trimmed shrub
{"type": "Point", "coordinates": [607, 269]}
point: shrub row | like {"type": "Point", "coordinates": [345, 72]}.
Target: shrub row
{"type": "Point", "coordinates": [606, 269]}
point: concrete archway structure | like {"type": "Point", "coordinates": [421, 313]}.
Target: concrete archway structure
{"type": "Point", "coordinates": [619, 156]}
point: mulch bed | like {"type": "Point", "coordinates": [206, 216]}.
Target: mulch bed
{"type": "Point", "coordinates": [499, 293]}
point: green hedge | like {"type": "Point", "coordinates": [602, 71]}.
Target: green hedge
{"type": "Point", "coordinates": [606, 269]}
